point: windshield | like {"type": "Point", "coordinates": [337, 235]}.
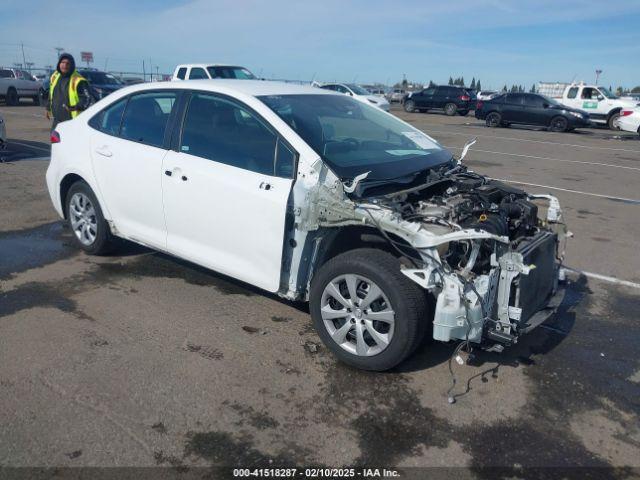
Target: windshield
{"type": "Point", "coordinates": [239, 73]}
{"type": "Point", "coordinates": [353, 137]}
{"type": "Point", "coordinates": [358, 90]}
{"type": "Point", "coordinates": [100, 78]}
{"type": "Point", "coordinates": [607, 93]}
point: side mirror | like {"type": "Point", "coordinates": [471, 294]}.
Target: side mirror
{"type": "Point", "coordinates": [600, 97]}
{"type": "Point", "coordinates": [545, 105]}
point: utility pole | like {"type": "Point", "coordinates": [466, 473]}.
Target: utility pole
{"type": "Point", "coordinates": [29, 65]}
{"type": "Point", "coordinates": [157, 73]}
{"type": "Point", "coordinates": [24, 61]}
{"type": "Point", "coordinates": [59, 50]}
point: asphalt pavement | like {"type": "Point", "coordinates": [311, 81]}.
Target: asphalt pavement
{"type": "Point", "coordinates": [140, 359]}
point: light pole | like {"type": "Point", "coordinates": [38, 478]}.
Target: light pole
{"type": "Point", "coordinates": [598, 72]}
{"type": "Point", "coordinates": [59, 50]}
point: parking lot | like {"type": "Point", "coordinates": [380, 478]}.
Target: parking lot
{"type": "Point", "coordinates": [139, 359]}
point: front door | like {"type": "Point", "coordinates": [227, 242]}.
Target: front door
{"type": "Point", "coordinates": [224, 204]}
{"type": "Point", "coordinates": [424, 99]}
{"type": "Point", "coordinates": [128, 147]}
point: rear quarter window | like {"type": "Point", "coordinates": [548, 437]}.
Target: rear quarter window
{"type": "Point", "coordinates": [182, 73]}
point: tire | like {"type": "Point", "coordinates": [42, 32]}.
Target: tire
{"type": "Point", "coordinates": [611, 121]}
{"type": "Point", "coordinates": [409, 106]}
{"type": "Point", "coordinates": [450, 109]}
{"type": "Point", "coordinates": [463, 113]}
{"type": "Point", "coordinates": [12, 98]}
{"type": "Point", "coordinates": [493, 120]}
{"type": "Point", "coordinates": [559, 124]}
{"type": "Point", "coordinates": [406, 301]}
{"type": "Point", "coordinates": [36, 100]}
{"type": "Point", "coordinates": [82, 208]}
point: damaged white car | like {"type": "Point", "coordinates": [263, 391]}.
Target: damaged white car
{"type": "Point", "coordinates": [317, 197]}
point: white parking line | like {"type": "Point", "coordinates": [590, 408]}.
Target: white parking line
{"type": "Point", "coordinates": [515, 139]}
{"type": "Point", "coordinates": [610, 197]}
{"type": "Point", "coordinates": [549, 158]}
{"type": "Point", "coordinates": [605, 278]}
{"type": "Point", "coordinates": [22, 114]}
{"type": "Point", "coordinates": [48, 150]}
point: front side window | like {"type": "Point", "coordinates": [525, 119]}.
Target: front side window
{"type": "Point", "coordinates": [182, 72]}
{"type": "Point", "coordinates": [353, 137]}
{"type": "Point", "coordinates": [197, 73]}
{"type": "Point", "coordinates": [428, 92]}
{"type": "Point", "coordinates": [108, 120]}
{"type": "Point", "coordinates": [146, 116]}
{"type": "Point", "coordinates": [224, 131]}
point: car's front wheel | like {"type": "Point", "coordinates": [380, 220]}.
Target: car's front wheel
{"type": "Point", "coordinates": [90, 230]}
{"type": "Point", "coordinates": [559, 124]}
{"type": "Point", "coordinates": [409, 106]}
{"type": "Point", "coordinates": [366, 311]}
{"type": "Point", "coordinates": [450, 109]}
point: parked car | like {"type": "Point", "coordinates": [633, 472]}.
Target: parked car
{"type": "Point", "coordinates": [448, 98]}
{"type": "Point", "coordinates": [16, 84]}
{"type": "Point", "coordinates": [201, 71]}
{"type": "Point", "coordinates": [396, 95]}
{"type": "Point", "coordinates": [358, 93]}
{"type": "Point", "coordinates": [131, 80]}
{"type": "Point", "coordinates": [101, 84]}
{"type": "Point", "coordinates": [603, 106]}
{"type": "Point", "coordinates": [378, 92]}
{"type": "Point", "coordinates": [530, 109]}
{"type": "Point", "coordinates": [486, 95]}
{"type": "Point", "coordinates": [316, 197]}
{"type": "Point", "coordinates": [629, 120]}
{"type": "Point", "coordinates": [3, 133]}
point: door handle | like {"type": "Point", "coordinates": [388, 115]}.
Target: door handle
{"type": "Point", "coordinates": [265, 186]}
{"type": "Point", "coordinates": [168, 173]}
{"type": "Point", "coordinates": [104, 151]}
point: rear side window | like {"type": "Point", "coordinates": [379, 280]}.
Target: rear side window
{"type": "Point", "coordinates": [573, 92]}
{"type": "Point", "coordinates": [108, 120]}
{"type": "Point", "coordinates": [146, 116]}
{"type": "Point", "coordinates": [515, 99]}
{"type": "Point", "coordinates": [197, 73]}
{"type": "Point", "coordinates": [182, 72]}
{"type": "Point", "coordinates": [533, 101]}
{"type": "Point", "coordinates": [225, 131]}
{"type": "Point", "coordinates": [6, 74]}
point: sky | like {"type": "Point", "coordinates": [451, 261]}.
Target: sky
{"type": "Point", "coordinates": [364, 41]}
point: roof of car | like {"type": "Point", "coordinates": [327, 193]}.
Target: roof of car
{"type": "Point", "coordinates": [248, 87]}
{"type": "Point", "coordinates": [205, 65]}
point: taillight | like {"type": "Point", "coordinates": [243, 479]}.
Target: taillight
{"type": "Point", "coordinates": [624, 113]}
{"type": "Point", "coordinates": [465, 98]}
{"type": "Point", "coordinates": [55, 137]}
{"type": "Point", "coordinates": [479, 105]}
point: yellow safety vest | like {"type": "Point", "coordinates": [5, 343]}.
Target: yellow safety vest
{"type": "Point", "coordinates": [75, 79]}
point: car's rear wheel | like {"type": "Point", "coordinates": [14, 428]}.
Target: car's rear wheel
{"type": "Point", "coordinates": [90, 230]}
{"type": "Point", "coordinates": [409, 106]}
{"type": "Point", "coordinates": [493, 120]}
{"type": "Point", "coordinates": [612, 121]}
{"type": "Point", "coordinates": [12, 98]}
{"type": "Point", "coordinates": [559, 124]}
{"type": "Point", "coordinates": [450, 109]}
{"type": "Point", "coordinates": [366, 311]}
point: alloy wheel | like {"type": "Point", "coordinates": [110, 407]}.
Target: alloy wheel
{"type": "Point", "coordinates": [357, 315]}
{"type": "Point", "coordinates": [82, 216]}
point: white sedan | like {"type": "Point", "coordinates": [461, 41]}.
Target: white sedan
{"type": "Point", "coordinates": [358, 93]}
{"type": "Point", "coordinates": [629, 121]}
{"type": "Point", "coordinates": [313, 196]}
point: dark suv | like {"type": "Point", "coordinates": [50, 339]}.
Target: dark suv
{"type": "Point", "coordinates": [448, 98]}
{"type": "Point", "coordinates": [530, 109]}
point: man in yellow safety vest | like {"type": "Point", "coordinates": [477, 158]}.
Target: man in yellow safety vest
{"type": "Point", "coordinates": [68, 91]}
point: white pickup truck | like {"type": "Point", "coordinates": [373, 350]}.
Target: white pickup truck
{"type": "Point", "coordinates": [17, 84]}
{"type": "Point", "coordinates": [603, 106]}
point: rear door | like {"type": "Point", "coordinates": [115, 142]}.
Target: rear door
{"type": "Point", "coordinates": [513, 108]}
{"type": "Point", "coordinates": [225, 187]}
{"type": "Point", "coordinates": [127, 147]}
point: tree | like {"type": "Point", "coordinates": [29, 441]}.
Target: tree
{"type": "Point", "coordinates": [461, 82]}
{"type": "Point", "coordinates": [405, 84]}
{"type": "Point", "coordinates": [431, 84]}
{"type": "Point", "coordinates": [473, 83]}
{"type": "Point", "coordinates": [450, 81]}
{"type": "Point", "coordinates": [635, 89]}
{"type": "Point", "coordinates": [619, 91]}
{"type": "Point", "coordinates": [504, 89]}
{"type": "Point", "coordinates": [533, 88]}
{"type": "Point", "coordinates": [478, 87]}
